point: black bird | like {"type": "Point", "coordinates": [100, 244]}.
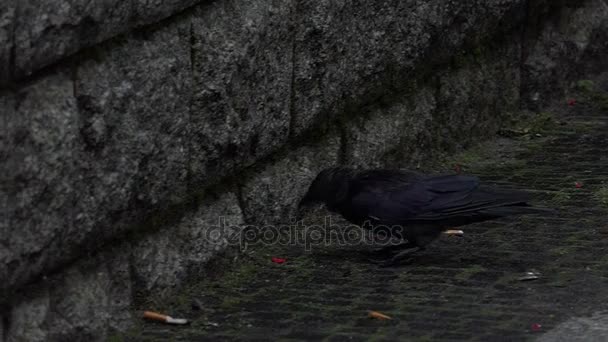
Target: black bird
{"type": "Point", "coordinates": [415, 207]}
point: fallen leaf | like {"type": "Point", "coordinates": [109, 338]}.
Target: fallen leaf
{"type": "Point", "coordinates": [278, 260]}
{"type": "Point", "coordinates": [536, 327]}
{"type": "Point", "coordinates": [578, 185]}
{"type": "Point", "coordinates": [457, 168]}
{"type": "Point", "coordinates": [571, 102]}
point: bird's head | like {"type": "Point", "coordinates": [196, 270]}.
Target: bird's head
{"type": "Point", "coordinates": [328, 187]}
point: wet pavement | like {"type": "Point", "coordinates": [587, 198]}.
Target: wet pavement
{"type": "Point", "coordinates": [467, 288]}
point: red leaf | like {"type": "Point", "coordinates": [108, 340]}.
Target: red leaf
{"type": "Point", "coordinates": [578, 185]}
{"type": "Point", "coordinates": [457, 168]}
{"type": "Point", "coordinates": [278, 260]}
{"type": "Point", "coordinates": [571, 102]}
{"type": "Point", "coordinates": [536, 327]}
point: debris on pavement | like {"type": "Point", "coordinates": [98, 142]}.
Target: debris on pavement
{"type": "Point", "coordinates": [536, 327]}
{"type": "Point", "coordinates": [278, 260]}
{"type": "Point", "coordinates": [378, 315]}
{"type": "Point", "coordinates": [571, 102]}
{"type": "Point", "coordinates": [530, 275]}
{"type": "Point", "coordinates": [155, 316]}
{"type": "Point", "coordinates": [510, 133]}
{"type": "Point", "coordinates": [578, 185]}
{"type": "Point", "coordinates": [454, 232]}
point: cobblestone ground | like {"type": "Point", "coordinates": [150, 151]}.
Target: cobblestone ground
{"type": "Point", "coordinates": [459, 288]}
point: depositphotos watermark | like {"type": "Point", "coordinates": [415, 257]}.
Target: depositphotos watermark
{"type": "Point", "coordinates": [307, 235]}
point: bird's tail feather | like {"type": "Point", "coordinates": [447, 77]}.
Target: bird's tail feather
{"type": "Point", "coordinates": [516, 210]}
{"type": "Point", "coordinates": [482, 211]}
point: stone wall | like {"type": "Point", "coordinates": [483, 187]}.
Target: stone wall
{"type": "Point", "coordinates": [131, 127]}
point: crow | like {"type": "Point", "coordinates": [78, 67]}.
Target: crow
{"type": "Point", "coordinates": [416, 208]}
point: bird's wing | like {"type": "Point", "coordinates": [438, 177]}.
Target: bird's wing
{"type": "Point", "coordinates": [419, 199]}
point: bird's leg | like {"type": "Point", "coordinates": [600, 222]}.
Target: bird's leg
{"type": "Point", "coordinates": [389, 253]}
{"type": "Point", "coordinates": [390, 249]}
{"type": "Point", "coordinates": [401, 255]}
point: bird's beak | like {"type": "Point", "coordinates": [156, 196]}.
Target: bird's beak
{"type": "Point", "coordinates": [304, 202]}
{"type": "Point", "coordinates": [302, 205]}
{"type": "Point", "coordinates": [299, 215]}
